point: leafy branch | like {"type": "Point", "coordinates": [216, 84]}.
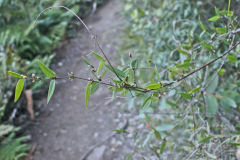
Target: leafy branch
{"type": "Point", "coordinates": [205, 65]}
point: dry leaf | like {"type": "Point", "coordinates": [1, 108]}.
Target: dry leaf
{"type": "Point", "coordinates": [30, 110]}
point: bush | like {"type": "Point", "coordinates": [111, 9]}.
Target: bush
{"type": "Point", "coordinates": [174, 38]}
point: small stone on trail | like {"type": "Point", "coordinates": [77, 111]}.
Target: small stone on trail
{"type": "Point", "coordinates": [95, 135]}
{"type": "Point", "coordinates": [60, 64]}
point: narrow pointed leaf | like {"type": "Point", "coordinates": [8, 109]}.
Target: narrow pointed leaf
{"type": "Point", "coordinates": [98, 56]}
{"type": "Point", "coordinates": [14, 74]}
{"type": "Point", "coordinates": [19, 88]}
{"type": "Point", "coordinates": [215, 18]}
{"type": "Point", "coordinates": [94, 87]}
{"type": "Point", "coordinates": [201, 24]}
{"type": "Point", "coordinates": [217, 11]}
{"type": "Point", "coordinates": [104, 73]}
{"type": "Point", "coordinates": [120, 131]}
{"type": "Point", "coordinates": [47, 71]}
{"type": "Point", "coordinates": [147, 102]}
{"type": "Point", "coordinates": [184, 52]}
{"type": "Point", "coordinates": [206, 139]}
{"type": "Point", "coordinates": [153, 86]}
{"type": "Point", "coordinates": [212, 156]}
{"type": "Point", "coordinates": [157, 135]}
{"type": "Point", "coordinates": [100, 66]}
{"type": "Point", "coordinates": [195, 90]}
{"type": "Point", "coordinates": [162, 146]}
{"type": "Point", "coordinates": [51, 89]}
{"type": "Point", "coordinates": [134, 64]}
{"type": "Point", "coordinates": [228, 102]}
{"type": "Point", "coordinates": [87, 93]}
{"type": "Point", "coordinates": [85, 61]}
{"type": "Point", "coordinates": [212, 105]}
{"type": "Point", "coordinates": [207, 46]}
{"type": "Point", "coordinates": [118, 71]}
{"type": "Point", "coordinates": [186, 95]}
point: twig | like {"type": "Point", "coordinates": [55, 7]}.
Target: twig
{"type": "Point", "coordinates": [67, 10]}
{"type": "Point", "coordinates": [95, 37]}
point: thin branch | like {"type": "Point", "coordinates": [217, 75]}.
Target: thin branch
{"type": "Point", "coordinates": [91, 33]}
{"type": "Point", "coordinates": [205, 65]}
{"type": "Point", "coordinates": [126, 86]}
{"type": "Point", "coordinates": [95, 37]}
{"type": "Point", "coordinates": [71, 11]}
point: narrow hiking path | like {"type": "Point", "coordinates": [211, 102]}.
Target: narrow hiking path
{"type": "Point", "coordinates": [65, 130]}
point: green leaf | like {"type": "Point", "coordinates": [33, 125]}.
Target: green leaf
{"type": "Point", "coordinates": [226, 13]}
{"type": "Point", "coordinates": [154, 99]}
{"type": "Point", "coordinates": [173, 69]}
{"type": "Point", "coordinates": [227, 102]}
{"type": "Point", "coordinates": [118, 71]}
{"type": "Point", "coordinates": [214, 18]}
{"type": "Point", "coordinates": [100, 66]}
{"type": "Point", "coordinates": [98, 56]}
{"type": "Point", "coordinates": [51, 89]}
{"type": "Point", "coordinates": [221, 72]}
{"type": "Point", "coordinates": [147, 102]}
{"type": "Point", "coordinates": [232, 58]}
{"type": "Point", "coordinates": [213, 84]}
{"type": "Point", "coordinates": [14, 74]}
{"type": "Point", "coordinates": [85, 61]}
{"type": "Point", "coordinates": [153, 86]}
{"type": "Point", "coordinates": [217, 11]}
{"type": "Point", "coordinates": [212, 105]}
{"type": "Point", "coordinates": [186, 95]}
{"type": "Point", "coordinates": [87, 93]}
{"type": "Point", "coordinates": [104, 73]}
{"type": "Point", "coordinates": [210, 155]}
{"type": "Point", "coordinates": [183, 51]}
{"type": "Point", "coordinates": [115, 89]}
{"type": "Point", "coordinates": [157, 135]}
{"type": "Point", "coordinates": [221, 30]}
{"type": "Point", "coordinates": [201, 24]}
{"type": "Point", "coordinates": [121, 131]}
{"type": "Point", "coordinates": [94, 87]}
{"type": "Point", "coordinates": [134, 64]}
{"type": "Point", "coordinates": [195, 90]}
{"type": "Point", "coordinates": [19, 88]}
{"type": "Point", "coordinates": [229, 5]}
{"type": "Point", "coordinates": [238, 125]}
{"type": "Point", "coordinates": [207, 46]}
{"type": "Point", "coordinates": [47, 71]}
{"type": "Point", "coordinates": [184, 65]}
{"type": "Point", "coordinates": [163, 146]}
{"type": "Point", "coordinates": [206, 139]}
{"type": "Point", "coordinates": [234, 144]}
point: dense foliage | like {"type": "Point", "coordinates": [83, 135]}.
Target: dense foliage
{"type": "Point", "coordinates": [22, 42]}
{"type": "Point", "coordinates": [196, 115]}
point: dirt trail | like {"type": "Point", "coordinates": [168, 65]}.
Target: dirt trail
{"type": "Point", "coordinates": [65, 130]}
